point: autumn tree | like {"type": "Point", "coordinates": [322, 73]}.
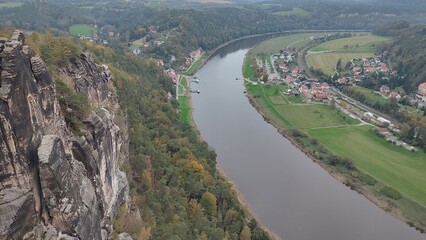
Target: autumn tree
{"type": "Point", "coordinates": [208, 201]}
{"type": "Point", "coordinates": [245, 234]}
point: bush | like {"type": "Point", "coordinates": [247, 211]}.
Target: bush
{"type": "Point", "coordinates": [349, 164]}
{"type": "Point", "coordinates": [366, 179]}
{"type": "Point", "coordinates": [390, 193]}
{"type": "Point", "coordinates": [297, 133]}
{"type": "Point", "coordinates": [75, 106]}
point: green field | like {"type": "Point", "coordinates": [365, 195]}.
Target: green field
{"type": "Point", "coordinates": [184, 109]}
{"type": "Point", "coordinates": [362, 42]}
{"type": "Point", "coordinates": [327, 61]}
{"type": "Point", "coordinates": [295, 11]}
{"type": "Point", "coordinates": [331, 132]}
{"type": "Point", "coordinates": [10, 4]}
{"type": "Point", "coordinates": [309, 116]}
{"type": "Point", "coordinates": [82, 29]}
{"type": "Point", "coordinates": [195, 66]}
{"type": "Point", "coordinates": [276, 44]}
{"type": "Point", "coordinates": [303, 116]}
{"type": "Point", "coordinates": [394, 166]}
{"type": "Point", "coordinates": [370, 96]}
{"type": "Point", "coordinates": [325, 55]}
{"type": "Point", "coordinates": [268, 6]}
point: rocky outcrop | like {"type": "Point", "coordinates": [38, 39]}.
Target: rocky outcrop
{"type": "Point", "coordinates": [54, 184]}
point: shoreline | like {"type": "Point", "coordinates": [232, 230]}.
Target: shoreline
{"type": "Point", "coordinates": [383, 204]}
{"type": "Point", "coordinates": [360, 189]}
{"type": "Point", "coordinates": [245, 206]}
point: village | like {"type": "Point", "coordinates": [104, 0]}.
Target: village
{"type": "Point", "coordinates": [284, 69]}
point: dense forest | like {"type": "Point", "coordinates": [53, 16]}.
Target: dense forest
{"type": "Point", "coordinates": [193, 26]}
{"type": "Point", "coordinates": [176, 190]}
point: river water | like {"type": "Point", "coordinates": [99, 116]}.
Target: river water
{"type": "Point", "coordinates": [290, 194]}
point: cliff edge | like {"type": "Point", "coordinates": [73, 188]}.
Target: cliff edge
{"type": "Point", "coordinates": [55, 183]}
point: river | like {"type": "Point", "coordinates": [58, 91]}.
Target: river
{"type": "Point", "coordinates": [290, 194]}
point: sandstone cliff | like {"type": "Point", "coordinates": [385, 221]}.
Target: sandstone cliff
{"type": "Point", "coordinates": [54, 184]}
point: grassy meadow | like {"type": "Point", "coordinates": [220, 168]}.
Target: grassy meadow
{"type": "Point", "coordinates": [184, 109]}
{"type": "Point", "coordinates": [294, 113]}
{"type": "Point", "coordinates": [294, 11]}
{"type": "Point", "coordinates": [327, 61]}
{"type": "Point", "coordinates": [392, 165]}
{"type": "Point", "coordinates": [296, 40]}
{"type": "Point", "coordinates": [195, 65]}
{"type": "Point", "coordinates": [325, 55]}
{"type": "Point", "coordinates": [82, 29]}
{"type": "Point", "coordinates": [327, 132]}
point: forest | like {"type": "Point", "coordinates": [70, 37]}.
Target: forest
{"type": "Point", "coordinates": [176, 190]}
{"type": "Point", "coordinates": [193, 26]}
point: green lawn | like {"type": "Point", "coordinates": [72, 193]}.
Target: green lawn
{"type": "Point", "coordinates": [184, 109]}
{"type": "Point", "coordinates": [326, 62]}
{"type": "Point", "coordinates": [394, 166]}
{"type": "Point", "coordinates": [274, 45]}
{"type": "Point", "coordinates": [295, 98]}
{"type": "Point", "coordinates": [10, 4]}
{"type": "Point", "coordinates": [363, 45]}
{"type": "Point", "coordinates": [82, 29]}
{"type": "Point", "coordinates": [314, 116]}
{"type": "Point", "coordinates": [370, 95]}
{"type": "Point", "coordinates": [183, 84]}
{"type": "Point", "coordinates": [295, 11]}
{"type": "Point", "coordinates": [303, 116]}
{"type": "Point", "coordinates": [268, 6]}
{"type": "Point", "coordinates": [195, 66]}
{"type": "Point", "coordinates": [362, 42]}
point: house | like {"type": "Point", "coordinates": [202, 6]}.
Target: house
{"type": "Point", "coordinates": [283, 67]}
{"type": "Point", "coordinates": [384, 67]}
{"type": "Point", "coordinates": [321, 96]}
{"type": "Point", "coordinates": [341, 80]}
{"type": "Point", "coordinates": [316, 89]}
{"type": "Point", "coordinates": [325, 86]}
{"type": "Point", "coordinates": [384, 89]}
{"type": "Point", "coordinates": [383, 120]}
{"type": "Point", "coordinates": [370, 69]}
{"type": "Point", "coordinates": [421, 95]}
{"type": "Point", "coordinates": [382, 131]}
{"type": "Point", "coordinates": [172, 75]}
{"type": "Point", "coordinates": [195, 54]}
{"type": "Point", "coordinates": [295, 72]}
{"type": "Point", "coordinates": [290, 80]}
{"type": "Point", "coordinates": [422, 87]}
{"type": "Point", "coordinates": [395, 95]}
{"type": "Point", "coordinates": [356, 69]}
{"type": "Point", "coordinates": [307, 94]}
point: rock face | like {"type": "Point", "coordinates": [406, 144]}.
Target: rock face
{"type": "Point", "coordinates": [54, 184]}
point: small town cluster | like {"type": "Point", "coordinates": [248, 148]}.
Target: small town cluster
{"type": "Point", "coordinates": [284, 68]}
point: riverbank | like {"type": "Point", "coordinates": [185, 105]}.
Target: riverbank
{"type": "Point", "coordinates": [248, 209]}
{"type": "Point", "coordinates": [250, 214]}
{"type": "Point", "coordinates": [340, 170]}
